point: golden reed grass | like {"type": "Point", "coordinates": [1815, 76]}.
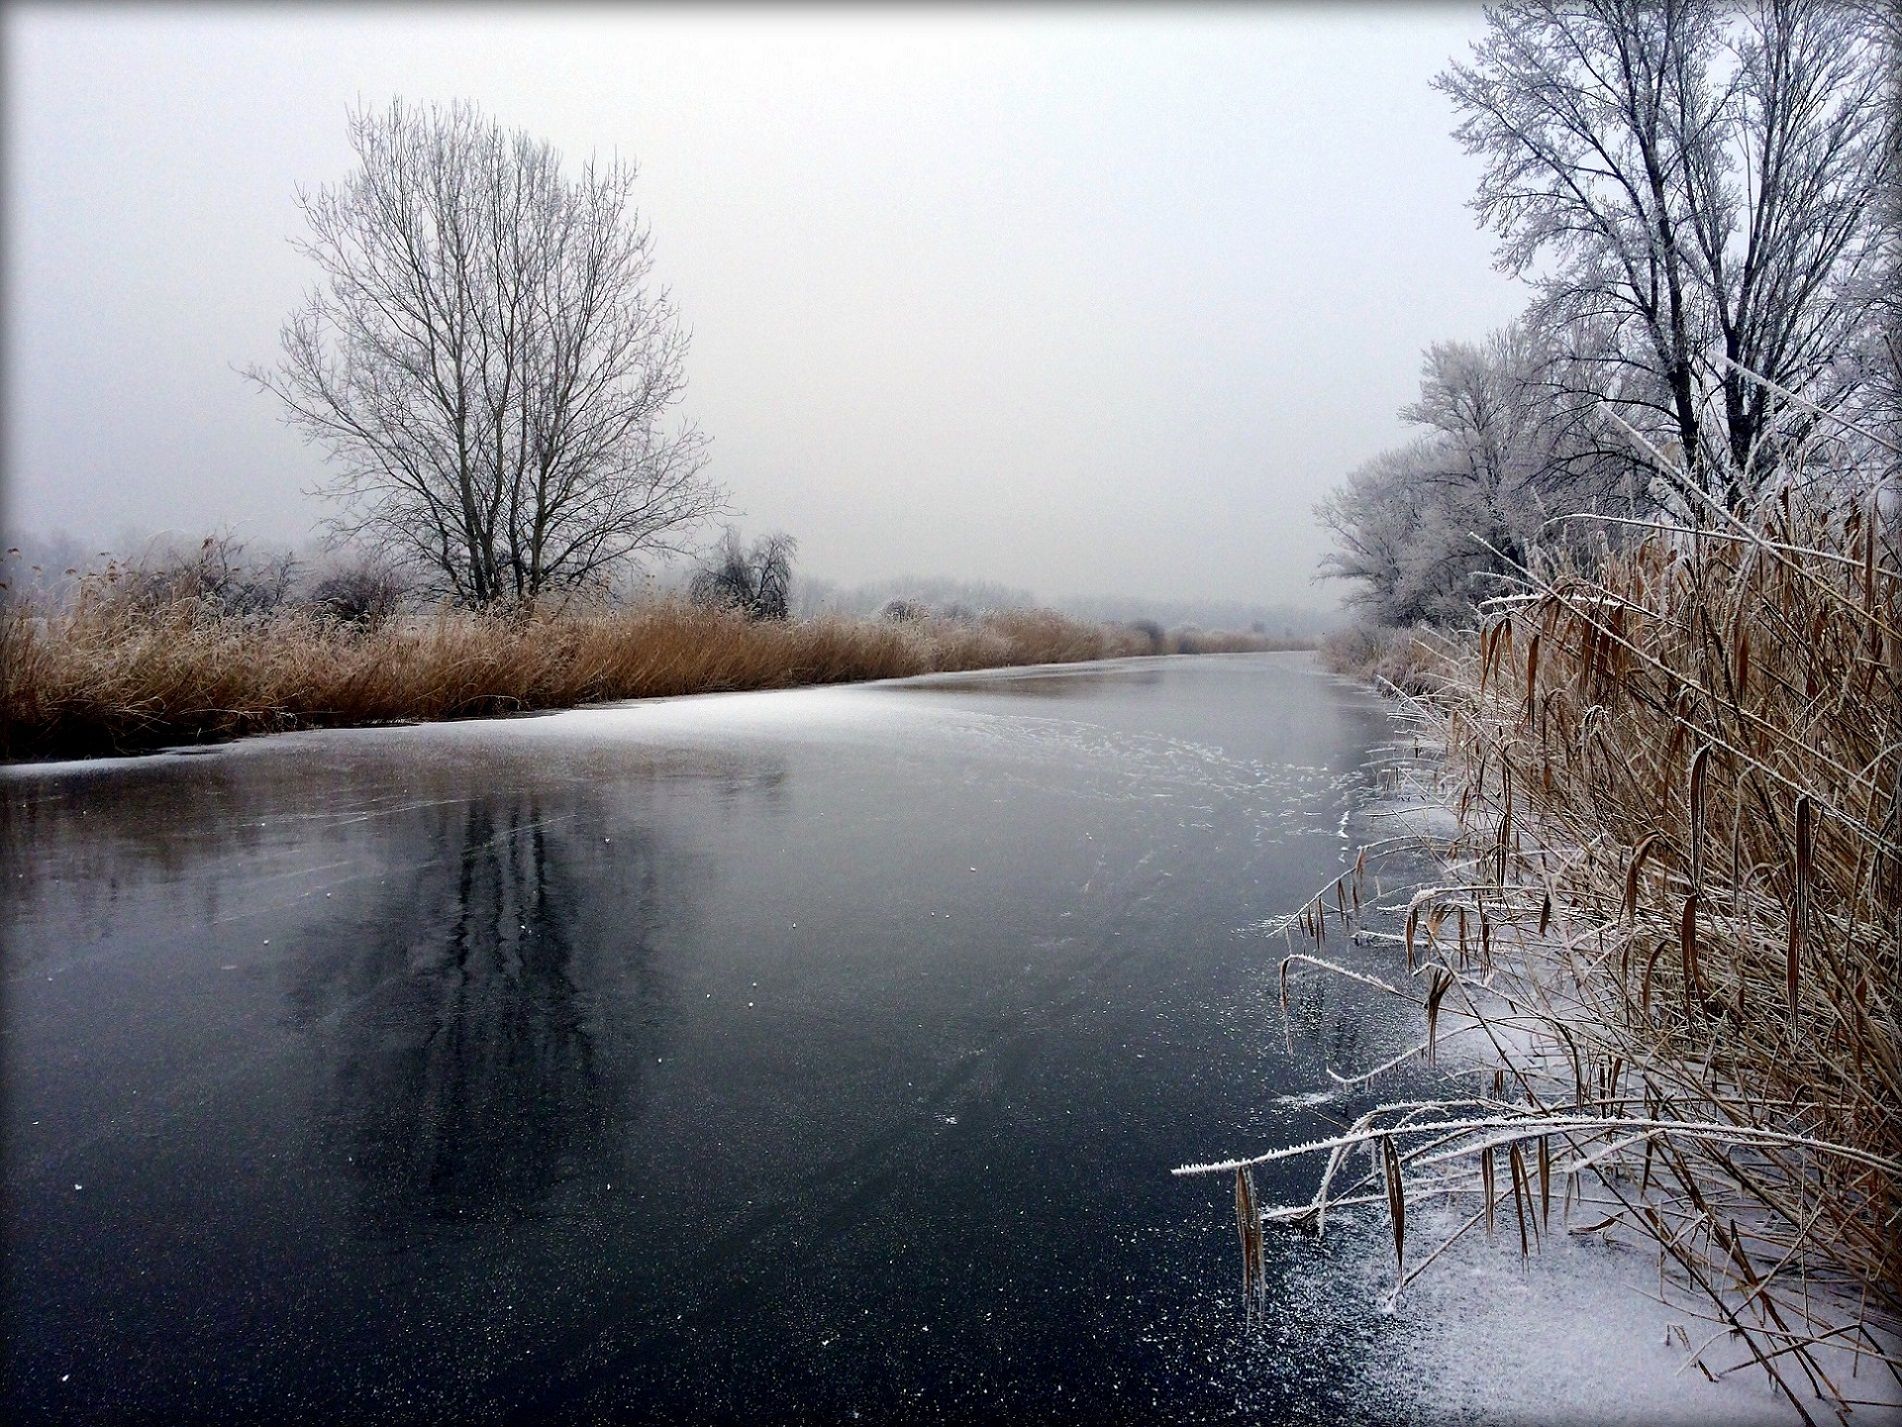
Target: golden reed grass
{"type": "Point", "coordinates": [1673, 926]}
{"type": "Point", "coordinates": [111, 675]}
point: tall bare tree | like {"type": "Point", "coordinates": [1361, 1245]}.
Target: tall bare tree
{"type": "Point", "coordinates": [485, 359]}
{"type": "Point", "coordinates": [1697, 178]}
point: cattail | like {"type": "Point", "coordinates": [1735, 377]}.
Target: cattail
{"type": "Point", "coordinates": [1643, 849]}
{"type": "Point", "coordinates": [1687, 942]}
{"type": "Point", "coordinates": [1486, 1178]}
{"type": "Point", "coordinates": [1545, 1182]}
{"type": "Point", "coordinates": [1439, 981]}
{"type": "Point", "coordinates": [1799, 899]}
{"type": "Point", "coordinates": [1700, 765]}
{"type": "Point", "coordinates": [1869, 556]}
{"type": "Point", "coordinates": [1521, 1192]}
{"type": "Point", "coordinates": [1248, 1225]}
{"type": "Point", "coordinates": [1396, 1200]}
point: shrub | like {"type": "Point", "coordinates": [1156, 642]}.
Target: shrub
{"type": "Point", "coordinates": [364, 593]}
{"type": "Point", "coordinates": [1151, 633]}
{"type": "Point", "coordinates": [216, 576]}
{"type": "Point", "coordinates": [1406, 659]}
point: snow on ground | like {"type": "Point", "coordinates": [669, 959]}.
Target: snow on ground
{"type": "Point", "coordinates": [1578, 1332]}
{"type": "Point", "coordinates": [1565, 1335]}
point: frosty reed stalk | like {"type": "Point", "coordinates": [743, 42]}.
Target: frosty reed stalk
{"type": "Point", "coordinates": [1673, 922]}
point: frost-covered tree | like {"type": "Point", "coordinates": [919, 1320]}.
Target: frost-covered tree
{"type": "Point", "coordinates": [1377, 518]}
{"type": "Point", "coordinates": [1881, 409]}
{"type": "Point", "coordinates": [486, 360]}
{"type": "Point", "coordinates": [1698, 179]}
{"type": "Point", "coordinates": [756, 581]}
{"type": "Point", "coordinates": [1425, 531]}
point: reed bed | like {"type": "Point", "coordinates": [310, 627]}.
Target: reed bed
{"type": "Point", "coordinates": [1671, 925]}
{"type": "Point", "coordinates": [1401, 659]}
{"type": "Point", "coordinates": [109, 674]}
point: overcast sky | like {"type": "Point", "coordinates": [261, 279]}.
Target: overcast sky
{"type": "Point", "coordinates": [1084, 300]}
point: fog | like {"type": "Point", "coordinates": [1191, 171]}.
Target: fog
{"type": "Point", "coordinates": [1088, 301]}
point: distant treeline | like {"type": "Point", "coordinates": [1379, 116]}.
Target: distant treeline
{"type": "Point", "coordinates": [214, 642]}
{"type": "Point", "coordinates": [48, 566]}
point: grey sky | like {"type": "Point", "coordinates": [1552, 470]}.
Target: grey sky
{"type": "Point", "coordinates": [1078, 299]}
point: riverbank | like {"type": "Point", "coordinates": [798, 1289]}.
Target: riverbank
{"type": "Point", "coordinates": [1671, 911]}
{"type": "Point", "coordinates": [107, 676]}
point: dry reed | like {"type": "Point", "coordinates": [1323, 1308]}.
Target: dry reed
{"type": "Point", "coordinates": [108, 674]}
{"type": "Point", "coordinates": [1673, 921]}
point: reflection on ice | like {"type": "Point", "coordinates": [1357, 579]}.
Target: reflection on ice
{"type": "Point", "coordinates": [611, 1061]}
{"type": "Point", "coordinates": [462, 1020]}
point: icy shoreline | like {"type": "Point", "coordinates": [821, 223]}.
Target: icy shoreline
{"type": "Point", "coordinates": [1586, 1328]}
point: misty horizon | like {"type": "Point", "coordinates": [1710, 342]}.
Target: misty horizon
{"type": "Point", "coordinates": [1093, 304]}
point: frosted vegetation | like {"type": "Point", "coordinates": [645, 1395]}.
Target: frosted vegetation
{"type": "Point", "coordinates": [1639, 586]}
{"type": "Point", "coordinates": [1693, 194]}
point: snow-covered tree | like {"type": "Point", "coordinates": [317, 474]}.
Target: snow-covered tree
{"type": "Point", "coordinates": [1700, 180]}
{"type": "Point", "coordinates": [1425, 530]}
{"type": "Point", "coordinates": [487, 361]}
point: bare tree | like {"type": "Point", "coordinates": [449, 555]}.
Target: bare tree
{"type": "Point", "coordinates": [485, 361]}
{"type": "Point", "coordinates": [1702, 179]}
{"type": "Point", "coordinates": [756, 581]}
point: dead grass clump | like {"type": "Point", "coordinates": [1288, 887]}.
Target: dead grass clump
{"type": "Point", "coordinates": [1673, 922]}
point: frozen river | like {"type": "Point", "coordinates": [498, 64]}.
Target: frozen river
{"type": "Point", "coordinates": [760, 1055]}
